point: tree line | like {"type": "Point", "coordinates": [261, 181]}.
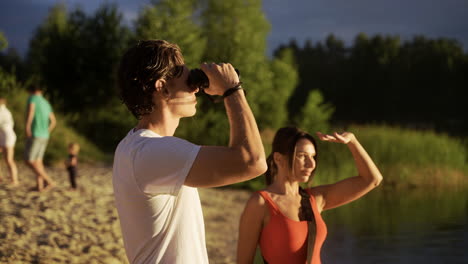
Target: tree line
{"type": "Point", "coordinates": [74, 55]}
{"type": "Point", "coordinates": [420, 83]}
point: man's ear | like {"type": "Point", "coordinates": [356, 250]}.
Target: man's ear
{"type": "Point", "coordinates": [159, 85]}
{"type": "Point", "coordinates": [161, 88]}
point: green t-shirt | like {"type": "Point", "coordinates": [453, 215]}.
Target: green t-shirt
{"type": "Point", "coordinates": [42, 110]}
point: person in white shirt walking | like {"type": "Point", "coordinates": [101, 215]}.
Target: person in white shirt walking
{"type": "Point", "coordinates": [156, 175]}
{"type": "Point", "coordinates": [8, 140]}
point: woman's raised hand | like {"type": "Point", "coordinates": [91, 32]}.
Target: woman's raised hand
{"type": "Point", "coordinates": [343, 138]}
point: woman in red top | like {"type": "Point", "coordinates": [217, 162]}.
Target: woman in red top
{"type": "Point", "coordinates": [284, 219]}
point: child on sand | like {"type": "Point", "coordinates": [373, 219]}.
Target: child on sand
{"type": "Point", "coordinates": [71, 163]}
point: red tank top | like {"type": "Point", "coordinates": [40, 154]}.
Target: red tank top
{"type": "Point", "coordinates": [284, 240]}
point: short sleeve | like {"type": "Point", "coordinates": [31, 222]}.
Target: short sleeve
{"type": "Point", "coordinates": [161, 164]}
{"type": "Point", "coordinates": [30, 100]}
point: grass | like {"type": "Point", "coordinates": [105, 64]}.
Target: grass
{"type": "Point", "coordinates": [415, 158]}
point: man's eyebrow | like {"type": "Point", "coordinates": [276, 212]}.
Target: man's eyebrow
{"type": "Point", "coordinates": [302, 151]}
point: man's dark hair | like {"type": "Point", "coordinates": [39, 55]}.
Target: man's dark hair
{"type": "Point", "coordinates": [33, 87]}
{"type": "Point", "coordinates": [141, 66]}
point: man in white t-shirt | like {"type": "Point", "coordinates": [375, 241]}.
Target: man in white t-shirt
{"type": "Point", "coordinates": [156, 174]}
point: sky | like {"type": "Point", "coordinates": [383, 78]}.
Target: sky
{"type": "Point", "coordinates": [298, 19]}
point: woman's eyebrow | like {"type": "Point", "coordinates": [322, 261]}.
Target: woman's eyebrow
{"type": "Point", "coordinates": [303, 151]}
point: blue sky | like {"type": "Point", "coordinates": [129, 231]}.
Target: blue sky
{"type": "Point", "coordinates": [299, 19]}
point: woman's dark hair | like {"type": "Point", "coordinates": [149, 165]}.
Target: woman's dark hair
{"type": "Point", "coordinates": [284, 142]}
{"type": "Point", "coordinates": [140, 67]}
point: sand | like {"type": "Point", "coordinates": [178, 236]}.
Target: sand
{"type": "Point", "coordinates": [65, 226]}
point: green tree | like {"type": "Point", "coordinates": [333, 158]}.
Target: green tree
{"type": "Point", "coordinates": [319, 64]}
{"type": "Point", "coordinates": [12, 62]}
{"type": "Point", "coordinates": [174, 21]}
{"type": "Point", "coordinates": [46, 39]}
{"type": "Point", "coordinates": [7, 82]}
{"type": "Point", "coordinates": [236, 32]}
{"type": "Point", "coordinates": [101, 39]}
{"type": "Point", "coordinates": [315, 114]}
{"type": "Point", "coordinates": [76, 55]}
{"type": "Point", "coordinates": [285, 80]}
{"type": "Point", "coordinates": [420, 82]}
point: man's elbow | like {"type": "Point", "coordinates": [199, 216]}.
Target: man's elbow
{"type": "Point", "coordinates": [257, 167]}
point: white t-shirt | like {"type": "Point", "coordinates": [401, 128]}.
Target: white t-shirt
{"type": "Point", "coordinates": [161, 219]}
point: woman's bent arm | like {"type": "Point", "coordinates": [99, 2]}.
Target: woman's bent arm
{"type": "Point", "coordinates": [352, 188]}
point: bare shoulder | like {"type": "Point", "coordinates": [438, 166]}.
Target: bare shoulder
{"type": "Point", "coordinates": [256, 205]}
{"type": "Point", "coordinates": [256, 200]}
{"type": "Point", "coordinates": [319, 194]}
{"type": "Point", "coordinates": [255, 210]}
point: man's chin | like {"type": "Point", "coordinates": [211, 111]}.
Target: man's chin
{"type": "Point", "coordinates": [194, 112]}
{"type": "Point", "coordinates": [190, 113]}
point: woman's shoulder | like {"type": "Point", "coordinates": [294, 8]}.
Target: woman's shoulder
{"type": "Point", "coordinates": [316, 190]}
{"type": "Point", "coordinates": [317, 193]}
{"type": "Point", "coordinates": [259, 194]}
{"type": "Point", "coordinates": [256, 207]}
{"type": "Point", "coordinates": [257, 198]}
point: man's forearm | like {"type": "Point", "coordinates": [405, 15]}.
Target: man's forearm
{"type": "Point", "coordinates": [29, 119]}
{"type": "Point", "coordinates": [52, 122]}
{"type": "Point", "coordinates": [244, 132]}
{"type": "Point", "coordinates": [27, 128]}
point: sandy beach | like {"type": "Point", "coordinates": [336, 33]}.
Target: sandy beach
{"type": "Point", "coordinates": [65, 226]}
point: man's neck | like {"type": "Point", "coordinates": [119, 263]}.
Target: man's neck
{"type": "Point", "coordinates": [163, 124]}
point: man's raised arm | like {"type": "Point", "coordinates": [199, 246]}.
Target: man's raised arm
{"type": "Point", "coordinates": [244, 158]}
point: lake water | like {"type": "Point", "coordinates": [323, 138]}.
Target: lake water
{"type": "Point", "coordinates": [413, 226]}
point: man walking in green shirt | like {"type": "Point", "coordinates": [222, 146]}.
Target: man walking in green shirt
{"type": "Point", "coordinates": [40, 121]}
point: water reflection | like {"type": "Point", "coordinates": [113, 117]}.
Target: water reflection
{"type": "Point", "coordinates": [418, 226]}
